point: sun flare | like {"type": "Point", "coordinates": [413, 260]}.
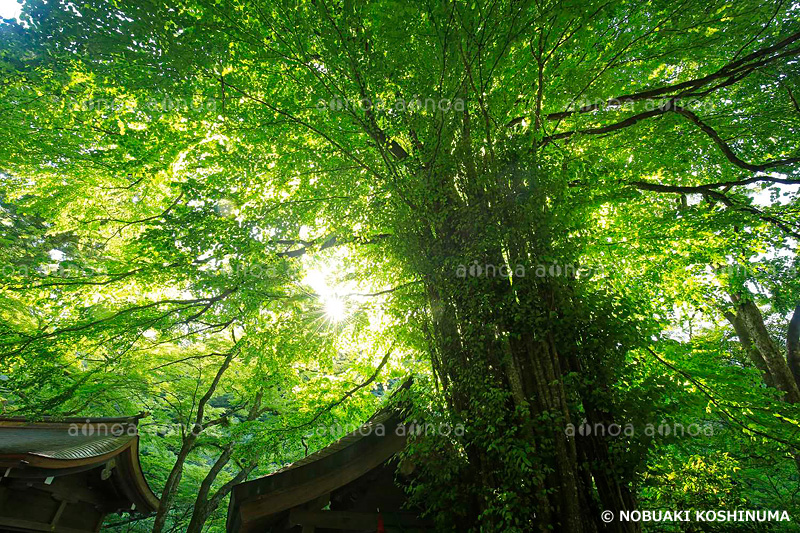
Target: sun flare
{"type": "Point", "coordinates": [325, 279]}
{"type": "Point", "coordinates": [335, 309]}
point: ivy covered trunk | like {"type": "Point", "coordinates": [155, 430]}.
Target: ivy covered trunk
{"type": "Point", "coordinates": [510, 330]}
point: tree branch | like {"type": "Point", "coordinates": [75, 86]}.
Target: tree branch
{"type": "Point", "coordinates": [730, 70]}
{"type": "Point", "coordinates": [726, 149]}
{"type": "Point", "coordinates": [347, 395]}
{"type": "Point", "coordinates": [716, 403]}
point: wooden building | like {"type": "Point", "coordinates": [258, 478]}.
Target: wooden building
{"type": "Point", "coordinates": [65, 476]}
{"type": "Point", "coordinates": [348, 486]}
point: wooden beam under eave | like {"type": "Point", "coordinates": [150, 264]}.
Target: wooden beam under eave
{"type": "Point", "coordinates": [59, 512]}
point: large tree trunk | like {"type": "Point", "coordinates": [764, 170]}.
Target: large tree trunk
{"type": "Point", "coordinates": [779, 369]}
{"type": "Point", "coordinates": [529, 366]}
{"type": "Point", "coordinates": [779, 373]}
{"type": "Point", "coordinates": [793, 345]}
{"type": "Point", "coordinates": [498, 340]}
{"type": "Point", "coordinates": [494, 334]}
{"type": "Point", "coordinates": [747, 344]}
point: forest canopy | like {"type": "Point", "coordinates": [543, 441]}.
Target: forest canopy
{"type": "Point", "coordinates": [571, 224]}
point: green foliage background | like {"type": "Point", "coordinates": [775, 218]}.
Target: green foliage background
{"type": "Point", "coordinates": [172, 172]}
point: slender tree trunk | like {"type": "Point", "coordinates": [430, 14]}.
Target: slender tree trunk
{"type": "Point", "coordinates": [189, 440]}
{"type": "Point", "coordinates": [173, 480]}
{"type": "Point", "coordinates": [205, 505]}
